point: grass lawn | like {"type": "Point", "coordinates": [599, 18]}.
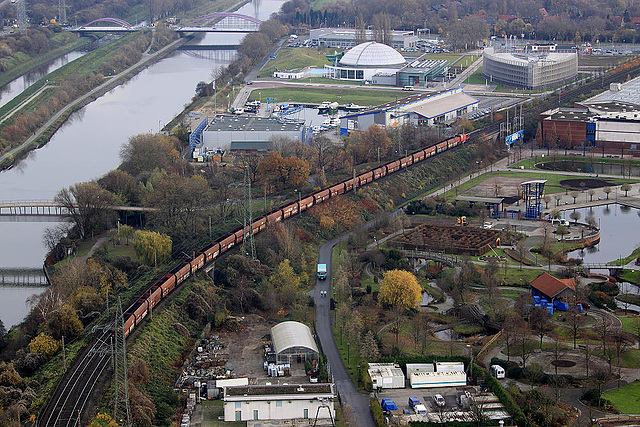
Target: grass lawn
{"type": "Point", "coordinates": [121, 250]}
{"type": "Point", "coordinates": [626, 399]}
{"type": "Point", "coordinates": [318, 95]}
{"type": "Point", "coordinates": [631, 276]}
{"type": "Point", "coordinates": [510, 293]}
{"type": "Point", "coordinates": [516, 277]}
{"type": "Point", "coordinates": [630, 324]}
{"type": "Point", "coordinates": [295, 58]}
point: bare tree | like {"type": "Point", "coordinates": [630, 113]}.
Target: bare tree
{"type": "Point", "coordinates": [85, 204]}
{"type": "Point", "coordinates": [607, 190]}
{"type": "Point", "coordinates": [576, 320]}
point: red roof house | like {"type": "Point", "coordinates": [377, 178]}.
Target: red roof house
{"type": "Point", "coordinates": [551, 288]}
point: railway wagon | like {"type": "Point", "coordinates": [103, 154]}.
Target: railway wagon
{"type": "Point", "coordinates": [418, 156]}
{"type": "Point", "coordinates": [348, 184]}
{"type": "Point", "coordinates": [155, 297]}
{"type": "Point", "coordinates": [198, 262]}
{"type": "Point", "coordinates": [365, 178]}
{"type": "Point", "coordinates": [393, 166]}
{"type": "Point", "coordinates": [289, 210]}
{"type": "Point", "coordinates": [259, 224]}
{"type": "Point", "coordinates": [273, 217]}
{"type": "Point", "coordinates": [379, 172]}
{"type": "Point", "coordinates": [168, 283]}
{"type": "Point", "coordinates": [306, 203]}
{"type": "Point", "coordinates": [141, 311]}
{"type": "Point", "coordinates": [406, 161]}
{"type": "Point", "coordinates": [430, 151]}
{"type": "Point", "coordinates": [441, 146]}
{"type": "Point", "coordinates": [212, 251]}
{"type": "Point", "coordinates": [337, 189]}
{"type": "Point", "coordinates": [227, 242]}
{"type": "Point", "coordinates": [129, 324]}
{"type": "Point", "coordinates": [239, 234]}
{"type": "Point", "coordinates": [321, 196]}
{"type": "Point", "coordinates": [182, 272]}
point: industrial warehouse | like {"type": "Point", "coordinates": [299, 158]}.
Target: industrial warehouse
{"type": "Point", "coordinates": [534, 67]}
{"type": "Point", "coordinates": [608, 123]}
{"type": "Point", "coordinates": [423, 109]}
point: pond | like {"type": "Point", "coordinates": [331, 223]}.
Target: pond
{"type": "Point", "coordinates": [591, 166]}
{"type": "Point", "coordinates": [616, 240]}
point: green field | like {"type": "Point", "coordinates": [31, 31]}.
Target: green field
{"type": "Point", "coordinates": [295, 59]}
{"type": "Point", "coordinates": [318, 95]}
{"type": "Point", "coordinates": [626, 399]}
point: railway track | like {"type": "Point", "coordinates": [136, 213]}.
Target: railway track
{"type": "Point", "coordinates": [67, 404]}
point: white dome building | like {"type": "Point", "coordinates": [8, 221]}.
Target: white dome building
{"type": "Point", "coordinates": [372, 54]}
{"type": "Point", "coordinates": [365, 60]}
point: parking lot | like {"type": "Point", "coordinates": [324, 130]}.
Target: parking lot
{"type": "Point", "coordinates": [452, 409]}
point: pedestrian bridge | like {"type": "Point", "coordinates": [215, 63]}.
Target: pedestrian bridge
{"type": "Point", "coordinates": [450, 260]}
{"type": "Point", "coordinates": [33, 277]}
{"type": "Point", "coordinates": [223, 22]}
{"type": "Point", "coordinates": [50, 208]}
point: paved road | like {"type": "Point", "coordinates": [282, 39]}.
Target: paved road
{"type": "Point", "coordinates": [349, 395]}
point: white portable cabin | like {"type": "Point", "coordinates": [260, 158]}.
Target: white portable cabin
{"type": "Point", "coordinates": [386, 375]}
{"type": "Point", "coordinates": [412, 368]}
{"type": "Point", "coordinates": [449, 367]}
{"type": "Point", "coordinates": [438, 379]}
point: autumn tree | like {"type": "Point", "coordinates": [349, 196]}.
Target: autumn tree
{"type": "Point", "coordinates": [377, 142]}
{"type": "Point", "coordinates": [44, 344]}
{"type": "Point", "coordinates": [152, 247]}
{"type": "Point", "coordinates": [123, 185]}
{"type": "Point", "coordinates": [286, 282]}
{"type": "Point", "coordinates": [146, 152]}
{"type": "Point", "coordinates": [86, 206]}
{"type": "Point", "coordinates": [400, 289]}
{"type": "Point", "coordinates": [64, 322]}
{"type": "Point", "coordinates": [103, 420]}
{"type": "Point", "coordinates": [626, 187]}
{"type": "Point", "coordinates": [290, 172]}
{"type": "Point", "coordinates": [575, 216]}
{"type": "Point", "coordinates": [607, 190]}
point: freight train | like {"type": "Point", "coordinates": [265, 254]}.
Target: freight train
{"type": "Point", "coordinates": [167, 283]}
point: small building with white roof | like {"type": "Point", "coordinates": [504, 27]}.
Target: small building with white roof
{"type": "Point", "coordinates": [386, 375]}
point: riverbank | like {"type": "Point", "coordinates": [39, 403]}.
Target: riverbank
{"type": "Point", "coordinates": [44, 133]}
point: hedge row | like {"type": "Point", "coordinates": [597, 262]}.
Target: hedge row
{"type": "Point", "coordinates": [453, 423]}
{"type": "Point", "coordinates": [378, 415]}
{"type": "Point", "coordinates": [505, 397]}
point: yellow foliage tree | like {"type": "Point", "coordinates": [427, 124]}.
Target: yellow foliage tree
{"type": "Point", "coordinates": [152, 248]}
{"type": "Point", "coordinates": [44, 344]}
{"type": "Point", "coordinates": [103, 420]}
{"type": "Point", "coordinates": [400, 289]}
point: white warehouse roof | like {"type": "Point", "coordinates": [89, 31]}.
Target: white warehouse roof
{"type": "Point", "coordinates": [290, 334]}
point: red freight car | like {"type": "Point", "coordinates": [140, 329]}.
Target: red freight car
{"type": "Point", "coordinates": [321, 196]}
{"type": "Point", "coordinates": [182, 272]}
{"type": "Point", "coordinates": [393, 166]}
{"type": "Point", "coordinates": [274, 217]}
{"type": "Point", "coordinates": [212, 251]}
{"type": "Point", "coordinates": [306, 203]}
{"type": "Point", "coordinates": [289, 210]}
{"type": "Point", "coordinates": [168, 283]}
{"type": "Point", "coordinates": [337, 189]}
{"type": "Point", "coordinates": [365, 178]}
{"type": "Point", "coordinates": [227, 242]}
{"type": "Point", "coordinates": [198, 262]}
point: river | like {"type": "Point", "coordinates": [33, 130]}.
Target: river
{"type": "Point", "coordinates": [15, 87]}
{"type": "Point", "coordinates": [88, 144]}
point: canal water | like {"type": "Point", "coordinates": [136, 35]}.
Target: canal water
{"type": "Point", "coordinates": [88, 145]}
{"type": "Point", "coordinates": [15, 87]}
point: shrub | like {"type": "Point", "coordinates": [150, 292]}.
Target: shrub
{"type": "Point", "coordinates": [44, 344]}
{"type": "Point", "coordinates": [378, 415]}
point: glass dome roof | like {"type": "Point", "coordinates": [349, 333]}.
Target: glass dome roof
{"type": "Point", "coordinates": [372, 54]}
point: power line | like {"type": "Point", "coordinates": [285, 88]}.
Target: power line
{"type": "Point", "coordinates": [121, 408]}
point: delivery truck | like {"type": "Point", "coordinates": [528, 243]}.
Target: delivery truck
{"type": "Point", "coordinates": [322, 271]}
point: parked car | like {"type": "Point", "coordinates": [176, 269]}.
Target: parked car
{"type": "Point", "coordinates": [439, 400]}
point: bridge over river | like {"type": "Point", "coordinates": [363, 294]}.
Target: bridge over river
{"type": "Point", "coordinates": [224, 22]}
{"type": "Point", "coordinates": [50, 208]}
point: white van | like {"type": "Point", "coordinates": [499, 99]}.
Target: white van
{"type": "Point", "coordinates": [497, 371]}
{"type": "Point", "coordinates": [407, 88]}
